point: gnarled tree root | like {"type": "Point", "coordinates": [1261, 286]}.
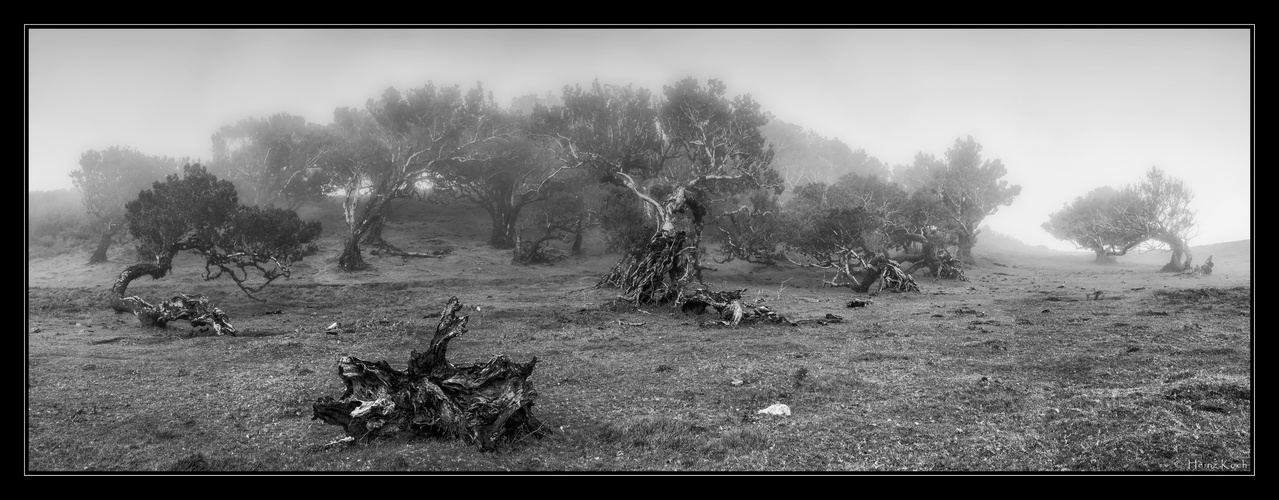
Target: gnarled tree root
{"type": "Point", "coordinates": [480, 403]}
{"type": "Point", "coordinates": [194, 308]}
{"type": "Point", "coordinates": [733, 312]}
{"type": "Point", "coordinates": [656, 274]}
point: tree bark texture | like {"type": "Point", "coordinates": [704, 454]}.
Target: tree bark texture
{"type": "Point", "coordinates": [104, 243]}
{"type": "Point", "coordinates": [939, 261]}
{"type": "Point", "coordinates": [504, 229]}
{"type": "Point", "coordinates": [193, 308]}
{"type": "Point", "coordinates": [155, 270]}
{"type": "Point", "coordinates": [351, 259]}
{"type": "Point", "coordinates": [483, 404]}
{"type": "Point", "coordinates": [656, 273]}
{"type": "Point", "coordinates": [966, 243]}
{"type": "Point", "coordinates": [880, 269]}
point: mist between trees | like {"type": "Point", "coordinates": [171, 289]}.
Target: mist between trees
{"type": "Point", "coordinates": [661, 175]}
{"type": "Point", "coordinates": [1153, 213]}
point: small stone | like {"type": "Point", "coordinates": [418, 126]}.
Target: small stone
{"type": "Point", "coordinates": [777, 409]}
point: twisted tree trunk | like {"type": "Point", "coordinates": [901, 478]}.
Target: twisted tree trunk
{"type": "Point", "coordinates": [1180, 249]}
{"type": "Point", "coordinates": [194, 308]}
{"type": "Point", "coordinates": [104, 242]}
{"type": "Point", "coordinates": [351, 259]}
{"type": "Point", "coordinates": [155, 270]}
{"type": "Point", "coordinates": [480, 403]}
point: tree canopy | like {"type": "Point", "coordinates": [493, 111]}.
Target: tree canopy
{"type": "Point", "coordinates": [805, 157]}
{"type": "Point", "coordinates": [1152, 213]}
{"type": "Point", "coordinates": [200, 213]}
{"type": "Point", "coordinates": [966, 189]}
{"type": "Point", "coordinates": [110, 178]}
{"type": "Point", "coordinates": [389, 149]}
{"type": "Point", "coordinates": [1107, 221]}
{"type": "Point", "coordinates": [675, 154]}
{"type": "Point", "coordinates": [273, 159]}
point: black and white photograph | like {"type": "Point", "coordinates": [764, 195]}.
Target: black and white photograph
{"type": "Point", "coordinates": [639, 250]}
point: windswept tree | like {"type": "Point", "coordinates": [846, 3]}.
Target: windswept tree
{"type": "Point", "coordinates": [1172, 223]}
{"type": "Point", "coordinates": [201, 214]}
{"type": "Point", "coordinates": [1107, 221]}
{"type": "Point", "coordinates": [967, 189]}
{"type": "Point", "coordinates": [676, 157]}
{"type": "Point", "coordinates": [110, 178]}
{"type": "Point", "coordinates": [390, 149]}
{"type": "Point", "coordinates": [272, 160]}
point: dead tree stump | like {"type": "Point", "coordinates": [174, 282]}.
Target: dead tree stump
{"type": "Point", "coordinates": [480, 403]}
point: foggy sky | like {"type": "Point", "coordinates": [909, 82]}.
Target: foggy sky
{"type": "Point", "coordinates": [1065, 110]}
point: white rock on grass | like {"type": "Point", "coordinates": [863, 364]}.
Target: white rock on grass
{"type": "Point", "coordinates": [777, 409]}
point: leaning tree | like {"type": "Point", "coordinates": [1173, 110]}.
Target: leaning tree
{"type": "Point", "coordinates": [1166, 202]}
{"type": "Point", "coordinates": [967, 189]}
{"type": "Point", "coordinates": [1107, 221]}
{"type": "Point", "coordinates": [676, 157]}
{"type": "Point", "coordinates": [200, 214]}
{"type": "Point", "coordinates": [110, 178]}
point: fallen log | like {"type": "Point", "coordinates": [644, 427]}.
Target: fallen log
{"type": "Point", "coordinates": [194, 308]}
{"type": "Point", "coordinates": [733, 312]}
{"type": "Point", "coordinates": [482, 404]}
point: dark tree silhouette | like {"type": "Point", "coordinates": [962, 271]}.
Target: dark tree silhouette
{"type": "Point", "coordinates": [200, 213]}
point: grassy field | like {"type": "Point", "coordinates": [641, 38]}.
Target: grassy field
{"type": "Point", "coordinates": [1019, 369]}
